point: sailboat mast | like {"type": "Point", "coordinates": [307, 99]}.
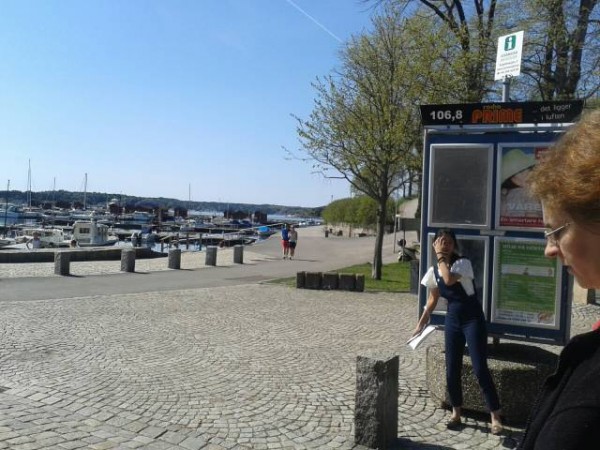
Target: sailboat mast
{"type": "Point", "coordinates": [84, 192]}
{"type": "Point", "coordinates": [29, 185]}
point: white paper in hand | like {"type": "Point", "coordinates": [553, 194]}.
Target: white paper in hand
{"type": "Point", "coordinates": [415, 341]}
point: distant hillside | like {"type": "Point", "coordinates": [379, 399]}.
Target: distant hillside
{"type": "Point", "coordinates": [76, 199]}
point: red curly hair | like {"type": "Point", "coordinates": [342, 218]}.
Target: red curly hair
{"type": "Point", "coordinates": [568, 178]}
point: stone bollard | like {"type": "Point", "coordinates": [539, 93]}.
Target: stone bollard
{"type": "Point", "coordinates": [238, 254]}
{"type": "Point", "coordinates": [312, 280]}
{"type": "Point", "coordinates": [330, 280]}
{"type": "Point", "coordinates": [347, 282]}
{"type": "Point", "coordinates": [175, 258]}
{"type": "Point", "coordinates": [376, 405]}
{"type": "Point", "coordinates": [300, 280]}
{"type": "Point", "coordinates": [360, 283]}
{"type": "Point", "coordinates": [128, 260]}
{"type": "Point", "coordinates": [62, 263]}
{"type": "Point", "coordinates": [211, 255]}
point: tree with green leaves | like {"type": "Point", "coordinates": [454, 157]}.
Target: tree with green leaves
{"type": "Point", "coordinates": [364, 126]}
{"type": "Point", "coordinates": [562, 49]}
{"type": "Point", "coordinates": [469, 36]}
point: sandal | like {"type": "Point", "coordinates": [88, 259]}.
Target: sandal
{"type": "Point", "coordinates": [497, 429]}
{"type": "Point", "coordinates": [453, 423]}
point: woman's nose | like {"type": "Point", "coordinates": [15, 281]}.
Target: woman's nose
{"type": "Point", "coordinates": [551, 250]}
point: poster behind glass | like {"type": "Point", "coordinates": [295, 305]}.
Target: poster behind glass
{"type": "Point", "coordinates": [526, 284]}
{"type": "Point", "coordinates": [460, 185]}
{"type": "Point", "coordinates": [475, 248]}
{"type": "Point", "coordinates": [516, 209]}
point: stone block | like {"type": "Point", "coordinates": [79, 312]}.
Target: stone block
{"type": "Point", "coordinates": [300, 280]}
{"type": "Point", "coordinates": [360, 283]}
{"type": "Point", "coordinates": [62, 263]}
{"type": "Point", "coordinates": [313, 280]}
{"type": "Point", "coordinates": [175, 258]}
{"type": "Point", "coordinates": [211, 256]}
{"type": "Point", "coordinates": [347, 282]}
{"type": "Point", "coordinates": [238, 254]}
{"type": "Point", "coordinates": [518, 371]}
{"type": "Point", "coordinates": [376, 402]}
{"type": "Point", "coordinates": [128, 260]}
{"type": "Point", "coordinates": [330, 280]}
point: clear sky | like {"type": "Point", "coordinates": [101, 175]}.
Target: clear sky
{"type": "Point", "coordinates": [167, 98]}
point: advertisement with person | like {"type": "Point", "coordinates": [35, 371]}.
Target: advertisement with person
{"type": "Point", "coordinates": [516, 207]}
{"type": "Point", "coordinates": [526, 284]}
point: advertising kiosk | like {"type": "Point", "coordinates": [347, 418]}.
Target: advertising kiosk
{"type": "Point", "coordinates": [475, 163]}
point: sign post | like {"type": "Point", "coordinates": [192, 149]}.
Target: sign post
{"type": "Point", "coordinates": [508, 60]}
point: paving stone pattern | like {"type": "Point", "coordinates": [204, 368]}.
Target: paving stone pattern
{"type": "Point", "coordinates": [245, 367]}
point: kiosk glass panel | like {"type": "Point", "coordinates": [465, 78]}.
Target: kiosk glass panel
{"type": "Point", "coordinates": [460, 185]}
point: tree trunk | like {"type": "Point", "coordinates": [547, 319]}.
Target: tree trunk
{"type": "Point", "coordinates": [378, 254]}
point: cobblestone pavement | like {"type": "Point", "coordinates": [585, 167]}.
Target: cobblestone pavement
{"type": "Point", "coordinates": [252, 366]}
{"type": "Point", "coordinates": [244, 367]}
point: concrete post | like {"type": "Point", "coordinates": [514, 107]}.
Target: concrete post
{"type": "Point", "coordinates": [347, 282]}
{"type": "Point", "coordinates": [300, 280]}
{"type": "Point", "coordinates": [128, 260]}
{"type": "Point", "coordinates": [62, 263]}
{"type": "Point", "coordinates": [238, 254]}
{"type": "Point", "coordinates": [376, 405]}
{"type": "Point", "coordinates": [211, 256]}
{"type": "Point", "coordinates": [330, 280]}
{"type": "Point", "coordinates": [360, 282]}
{"type": "Point", "coordinates": [175, 259]}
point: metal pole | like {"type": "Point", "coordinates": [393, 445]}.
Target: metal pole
{"type": "Point", "coordinates": [6, 208]}
{"type": "Point", "coordinates": [506, 89]}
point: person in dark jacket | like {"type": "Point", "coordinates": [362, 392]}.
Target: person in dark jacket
{"type": "Point", "coordinates": [566, 415]}
{"type": "Point", "coordinates": [452, 278]}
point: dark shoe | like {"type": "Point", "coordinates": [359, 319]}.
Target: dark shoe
{"type": "Point", "coordinates": [453, 423]}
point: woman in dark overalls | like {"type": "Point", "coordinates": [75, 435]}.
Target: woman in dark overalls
{"type": "Point", "coordinates": [452, 278]}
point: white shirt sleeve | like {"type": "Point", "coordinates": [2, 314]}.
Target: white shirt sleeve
{"type": "Point", "coordinates": [429, 279]}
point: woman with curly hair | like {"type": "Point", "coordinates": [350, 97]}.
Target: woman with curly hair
{"type": "Point", "coordinates": [567, 182]}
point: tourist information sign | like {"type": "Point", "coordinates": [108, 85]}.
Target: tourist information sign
{"type": "Point", "coordinates": [508, 57]}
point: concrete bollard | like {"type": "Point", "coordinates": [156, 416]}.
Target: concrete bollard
{"type": "Point", "coordinates": [128, 260]}
{"type": "Point", "coordinates": [376, 405]}
{"type": "Point", "coordinates": [347, 282]}
{"type": "Point", "coordinates": [62, 263]}
{"type": "Point", "coordinates": [300, 280]}
{"type": "Point", "coordinates": [360, 283]}
{"type": "Point", "coordinates": [175, 259]}
{"type": "Point", "coordinates": [211, 255]}
{"type": "Point", "coordinates": [330, 280]}
{"type": "Point", "coordinates": [238, 254]}
{"type": "Point", "coordinates": [312, 280]}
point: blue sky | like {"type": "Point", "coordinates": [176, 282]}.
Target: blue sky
{"type": "Point", "coordinates": [170, 98]}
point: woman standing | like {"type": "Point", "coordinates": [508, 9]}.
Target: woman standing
{"type": "Point", "coordinates": [567, 413]}
{"type": "Point", "coordinates": [452, 278]}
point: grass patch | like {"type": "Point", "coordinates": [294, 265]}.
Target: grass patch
{"type": "Point", "coordinates": [395, 277]}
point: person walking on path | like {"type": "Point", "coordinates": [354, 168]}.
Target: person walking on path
{"type": "Point", "coordinates": [293, 237]}
{"type": "Point", "coordinates": [566, 415]}
{"type": "Point", "coordinates": [285, 240]}
{"type": "Point", "coordinates": [452, 278]}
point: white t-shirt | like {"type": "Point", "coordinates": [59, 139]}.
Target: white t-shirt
{"type": "Point", "coordinates": [460, 267]}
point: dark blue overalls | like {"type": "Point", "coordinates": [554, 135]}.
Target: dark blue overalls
{"type": "Point", "coordinates": [465, 323]}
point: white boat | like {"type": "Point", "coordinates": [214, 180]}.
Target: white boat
{"type": "Point", "coordinates": [49, 237]}
{"type": "Point", "coordinates": [90, 233]}
{"type": "Point", "coordinates": [4, 242]}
